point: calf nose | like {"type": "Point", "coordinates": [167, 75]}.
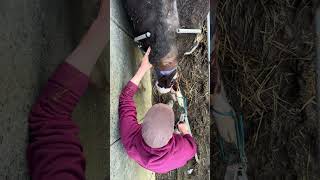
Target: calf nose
{"type": "Point", "coordinates": [169, 61]}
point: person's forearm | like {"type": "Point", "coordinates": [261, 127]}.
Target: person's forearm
{"type": "Point", "coordinates": [138, 76]}
{"type": "Point", "coordinates": [85, 56]}
{"type": "Point", "coordinates": [54, 149]}
{"type": "Point", "coordinates": [128, 115]}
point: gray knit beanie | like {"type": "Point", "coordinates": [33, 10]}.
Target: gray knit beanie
{"type": "Point", "coordinates": [158, 125]}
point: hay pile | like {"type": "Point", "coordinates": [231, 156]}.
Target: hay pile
{"type": "Point", "coordinates": [266, 50]}
{"type": "Point", "coordinates": [194, 81]}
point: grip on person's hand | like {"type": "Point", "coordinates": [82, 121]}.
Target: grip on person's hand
{"type": "Point", "coordinates": [182, 126]}
{"type": "Point", "coordinates": [145, 64]}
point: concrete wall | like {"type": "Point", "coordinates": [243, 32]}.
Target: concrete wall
{"type": "Point", "coordinates": [35, 37]}
{"type": "Point", "coordinates": [124, 60]}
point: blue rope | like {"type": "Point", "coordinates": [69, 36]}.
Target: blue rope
{"type": "Point", "coordinates": [239, 135]}
{"type": "Point", "coordinates": [240, 138]}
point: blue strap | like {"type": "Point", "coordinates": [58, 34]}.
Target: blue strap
{"type": "Point", "coordinates": [239, 134]}
{"type": "Point", "coordinates": [229, 114]}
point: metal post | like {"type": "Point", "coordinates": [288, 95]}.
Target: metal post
{"type": "Point", "coordinates": [189, 31]}
{"type": "Point", "coordinates": [143, 36]}
{"type": "Point", "coordinates": [208, 37]}
{"type": "Point", "coordinates": [317, 20]}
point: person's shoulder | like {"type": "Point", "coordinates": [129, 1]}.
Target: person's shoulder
{"type": "Point", "coordinates": [132, 141]}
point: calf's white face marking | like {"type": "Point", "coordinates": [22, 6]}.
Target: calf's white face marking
{"type": "Point", "coordinates": [170, 17]}
{"type": "Point", "coordinates": [170, 13]}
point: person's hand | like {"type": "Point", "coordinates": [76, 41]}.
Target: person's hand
{"type": "Point", "coordinates": [183, 128]}
{"type": "Point", "coordinates": [145, 64]}
{"type": "Point", "coordinates": [144, 67]}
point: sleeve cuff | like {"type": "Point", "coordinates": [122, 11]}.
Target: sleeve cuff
{"type": "Point", "coordinates": [187, 136]}
{"type": "Point", "coordinates": [131, 88]}
{"type": "Point", "coordinates": [71, 78]}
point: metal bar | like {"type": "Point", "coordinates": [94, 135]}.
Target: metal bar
{"type": "Point", "coordinates": [189, 31]}
{"type": "Point", "coordinates": [182, 102]}
{"type": "Point", "coordinates": [208, 36]}
{"type": "Point", "coordinates": [317, 19]}
{"type": "Point", "coordinates": [143, 36]}
{"type": "Point", "coordinates": [187, 122]}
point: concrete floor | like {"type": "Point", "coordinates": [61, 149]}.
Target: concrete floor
{"type": "Point", "coordinates": [124, 60]}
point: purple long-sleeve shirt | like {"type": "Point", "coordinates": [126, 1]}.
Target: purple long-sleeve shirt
{"type": "Point", "coordinates": [175, 154]}
{"type": "Point", "coordinates": [54, 151]}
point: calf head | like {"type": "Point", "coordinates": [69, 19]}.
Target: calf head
{"type": "Point", "coordinates": [161, 19]}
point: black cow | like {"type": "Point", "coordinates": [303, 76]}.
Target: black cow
{"type": "Point", "coordinates": [162, 18]}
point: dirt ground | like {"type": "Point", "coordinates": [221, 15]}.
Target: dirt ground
{"type": "Point", "coordinates": [194, 82]}
{"type": "Point", "coordinates": [266, 50]}
{"type": "Point", "coordinates": [35, 37]}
